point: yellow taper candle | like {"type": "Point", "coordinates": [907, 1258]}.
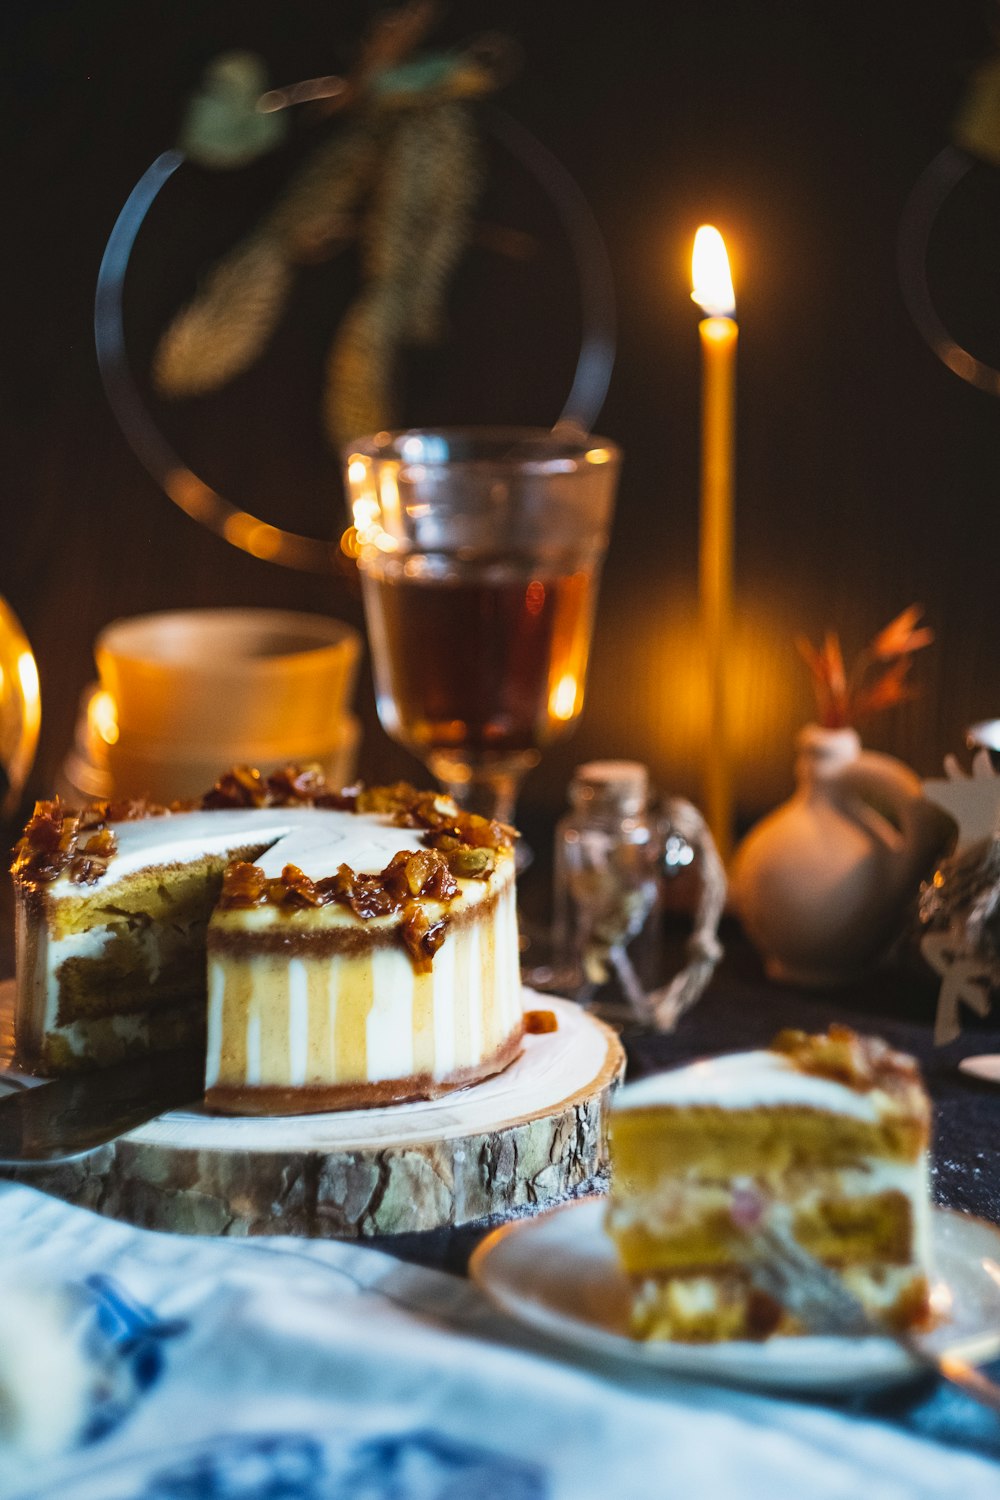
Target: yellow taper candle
{"type": "Point", "coordinates": [712, 289]}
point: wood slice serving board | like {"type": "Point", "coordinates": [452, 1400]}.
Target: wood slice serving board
{"type": "Point", "coordinates": [522, 1139]}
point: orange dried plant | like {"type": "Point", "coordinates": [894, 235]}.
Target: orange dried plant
{"type": "Point", "coordinates": [878, 677]}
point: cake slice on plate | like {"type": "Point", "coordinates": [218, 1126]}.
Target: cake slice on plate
{"type": "Point", "coordinates": [829, 1131]}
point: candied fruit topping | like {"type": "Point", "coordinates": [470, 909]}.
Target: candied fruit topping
{"type": "Point", "coordinates": [84, 870]}
{"type": "Point", "coordinates": [45, 827]}
{"type": "Point", "coordinates": [537, 1022]}
{"type": "Point", "coordinates": [243, 885]}
{"type": "Point", "coordinates": [306, 786]}
{"type": "Point", "coordinates": [421, 936]}
{"type": "Point", "coordinates": [101, 844]}
{"type": "Point", "coordinates": [58, 838]}
{"type": "Point", "coordinates": [840, 1053]}
{"type": "Point", "coordinates": [122, 810]}
{"type": "Point", "coordinates": [472, 864]}
{"type": "Point", "coordinates": [366, 895]}
{"type": "Point", "coordinates": [240, 787]}
{"type": "Point", "coordinates": [299, 889]}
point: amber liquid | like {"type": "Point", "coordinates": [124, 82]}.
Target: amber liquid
{"type": "Point", "coordinates": [489, 662]}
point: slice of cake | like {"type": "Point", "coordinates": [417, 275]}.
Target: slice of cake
{"type": "Point", "coordinates": [831, 1132]}
{"type": "Point", "coordinates": [332, 949]}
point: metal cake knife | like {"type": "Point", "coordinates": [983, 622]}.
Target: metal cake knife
{"type": "Point", "coordinates": [64, 1118]}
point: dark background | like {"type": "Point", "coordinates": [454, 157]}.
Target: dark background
{"type": "Point", "coordinates": [869, 474]}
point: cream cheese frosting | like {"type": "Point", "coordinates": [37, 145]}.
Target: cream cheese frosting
{"type": "Point", "coordinates": [750, 1080]}
{"type": "Point", "coordinates": [318, 840]}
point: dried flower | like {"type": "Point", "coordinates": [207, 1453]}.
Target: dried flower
{"type": "Point", "coordinates": [899, 638]}
{"type": "Point", "coordinates": [878, 676]}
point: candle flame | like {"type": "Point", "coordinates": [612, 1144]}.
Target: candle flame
{"type": "Point", "coordinates": [102, 717]}
{"type": "Point", "coordinates": [712, 282]}
{"type": "Point", "coordinates": [564, 699]}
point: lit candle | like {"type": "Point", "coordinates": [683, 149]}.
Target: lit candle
{"type": "Point", "coordinates": [712, 289]}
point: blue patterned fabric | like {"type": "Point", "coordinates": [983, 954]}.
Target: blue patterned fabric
{"type": "Point", "coordinates": [274, 1369]}
{"type": "Point", "coordinates": [125, 1340]}
{"type": "Point", "coordinates": [406, 1466]}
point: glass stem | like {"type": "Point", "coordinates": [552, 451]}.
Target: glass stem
{"type": "Point", "coordinates": [492, 792]}
{"type": "Point", "coordinates": [489, 789]}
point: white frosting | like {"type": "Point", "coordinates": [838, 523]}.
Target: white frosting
{"type": "Point", "coordinates": [389, 1026]}
{"type": "Point", "coordinates": [213, 1037]}
{"type": "Point", "coordinates": [477, 1044]}
{"type": "Point", "coordinates": [298, 1021]}
{"type": "Point", "coordinates": [462, 1028]}
{"type": "Point", "coordinates": [677, 1204]}
{"type": "Point", "coordinates": [318, 840]}
{"type": "Point", "coordinates": [921, 1200]}
{"type": "Point", "coordinates": [507, 957]}
{"type": "Point", "coordinates": [748, 1080]}
{"type": "Point", "coordinates": [156, 945]}
{"type": "Point", "coordinates": [445, 1003]}
{"type": "Point", "coordinates": [88, 944]}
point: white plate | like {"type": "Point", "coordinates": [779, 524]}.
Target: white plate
{"type": "Point", "coordinates": [558, 1273]}
{"type": "Point", "coordinates": [986, 1066]}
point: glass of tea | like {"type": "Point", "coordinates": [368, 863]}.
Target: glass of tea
{"type": "Point", "coordinates": [480, 551]}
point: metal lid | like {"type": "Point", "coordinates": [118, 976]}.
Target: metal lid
{"type": "Point", "coordinates": [625, 783]}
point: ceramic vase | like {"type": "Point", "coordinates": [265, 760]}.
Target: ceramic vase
{"type": "Point", "coordinates": [824, 883]}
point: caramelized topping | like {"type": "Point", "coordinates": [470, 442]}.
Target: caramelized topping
{"type": "Point", "coordinates": [244, 885]}
{"type": "Point", "coordinates": [538, 1022]}
{"type": "Point", "coordinates": [240, 787]}
{"type": "Point", "coordinates": [422, 937]}
{"type": "Point", "coordinates": [124, 810]}
{"type": "Point", "coordinates": [59, 838]}
{"type": "Point", "coordinates": [56, 839]}
{"type": "Point", "coordinates": [292, 786]}
{"type": "Point", "coordinates": [409, 876]}
{"type": "Point", "coordinates": [860, 1062]}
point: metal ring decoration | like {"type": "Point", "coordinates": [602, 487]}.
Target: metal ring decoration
{"type": "Point", "coordinates": [930, 193]}
{"type": "Point", "coordinates": [238, 527]}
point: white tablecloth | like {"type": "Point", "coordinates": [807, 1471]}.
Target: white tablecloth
{"type": "Point", "coordinates": [322, 1371]}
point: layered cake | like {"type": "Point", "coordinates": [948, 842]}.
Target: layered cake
{"type": "Point", "coordinates": [332, 949]}
{"type": "Point", "coordinates": [829, 1133]}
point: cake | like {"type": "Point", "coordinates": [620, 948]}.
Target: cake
{"type": "Point", "coordinates": [828, 1133]}
{"type": "Point", "coordinates": [332, 949]}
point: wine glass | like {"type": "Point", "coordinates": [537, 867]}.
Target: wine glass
{"type": "Point", "coordinates": [480, 551]}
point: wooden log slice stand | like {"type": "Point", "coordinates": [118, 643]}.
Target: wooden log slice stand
{"type": "Point", "coordinates": [524, 1139]}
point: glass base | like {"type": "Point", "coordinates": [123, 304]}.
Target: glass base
{"type": "Point", "coordinates": [487, 785]}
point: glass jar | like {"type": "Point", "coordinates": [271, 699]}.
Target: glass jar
{"type": "Point", "coordinates": [608, 861]}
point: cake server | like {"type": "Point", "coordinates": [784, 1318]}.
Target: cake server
{"type": "Point", "coordinates": [64, 1118]}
